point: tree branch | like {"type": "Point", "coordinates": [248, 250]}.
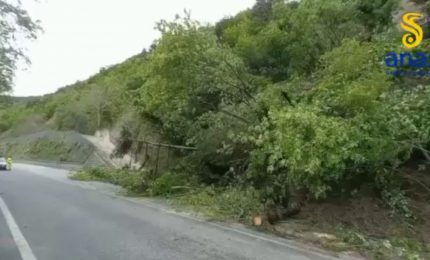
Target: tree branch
{"type": "Point", "coordinates": [417, 182]}
{"type": "Point", "coordinates": [235, 116]}
{"type": "Point", "coordinates": [245, 85]}
{"type": "Point", "coordinates": [424, 151]}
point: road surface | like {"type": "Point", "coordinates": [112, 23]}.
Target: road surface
{"type": "Point", "coordinates": [46, 216]}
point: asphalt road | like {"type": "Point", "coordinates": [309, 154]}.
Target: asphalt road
{"type": "Point", "coordinates": [46, 216]}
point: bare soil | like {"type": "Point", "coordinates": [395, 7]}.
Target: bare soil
{"type": "Point", "coordinates": [322, 222]}
{"type": "Point", "coordinates": [371, 216]}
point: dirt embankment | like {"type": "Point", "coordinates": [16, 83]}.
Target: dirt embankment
{"type": "Point", "coordinates": [104, 148]}
{"type": "Point", "coordinates": [67, 147]}
{"type": "Point", "coordinates": [56, 146]}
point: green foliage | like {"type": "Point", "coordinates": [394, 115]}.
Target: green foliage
{"type": "Point", "coordinates": [189, 75]}
{"type": "Point", "coordinates": [376, 15]}
{"type": "Point", "coordinates": [85, 106]}
{"type": "Point", "coordinates": [93, 174]}
{"type": "Point", "coordinates": [48, 146]}
{"type": "Point", "coordinates": [321, 138]}
{"type": "Point", "coordinates": [228, 203]}
{"type": "Point", "coordinates": [72, 117]}
{"type": "Point", "coordinates": [392, 248]}
{"type": "Point", "coordinates": [138, 182]}
{"type": "Point", "coordinates": [283, 102]}
{"type": "Point", "coordinates": [310, 144]}
{"type": "Point", "coordinates": [169, 183]}
{"type": "Point", "coordinates": [219, 203]}
{"type": "Point", "coordinates": [133, 182]}
{"type": "Point", "coordinates": [15, 24]}
{"type": "Point", "coordinates": [285, 97]}
{"type": "Point", "coordinates": [396, 199]}
{"type": "Point", "coordinates": [279, 39]}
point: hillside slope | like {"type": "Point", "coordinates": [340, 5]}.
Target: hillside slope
{"type": "Point", "coordinates": [58, 147]}
{"type": "Point", "coordinates": [282, 106]}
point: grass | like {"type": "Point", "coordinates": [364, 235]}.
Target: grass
{"type": "Point", "coordinates": [388, 248]}
{"type": "Point", "coordinates": [49, 146]}
{"type": "Point", "coordinates": [134, 182]}
{"type": "Point", "coordinates": [95, 174]}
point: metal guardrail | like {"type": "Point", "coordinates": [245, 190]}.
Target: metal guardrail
{"type": "Point", "coordinates": [143, 146]}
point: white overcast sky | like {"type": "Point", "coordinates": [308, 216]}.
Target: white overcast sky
{"type": "Point", "coordinates": [81, 36]}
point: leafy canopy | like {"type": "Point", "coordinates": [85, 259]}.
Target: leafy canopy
{"type": "Point", "coordinates": [15, 26]}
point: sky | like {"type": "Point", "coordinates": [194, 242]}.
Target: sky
{"type": "Point", "coordinates": [82, 36]}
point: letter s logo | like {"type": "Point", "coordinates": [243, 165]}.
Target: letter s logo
{"type": "Point", "coordinates": [414, 35]}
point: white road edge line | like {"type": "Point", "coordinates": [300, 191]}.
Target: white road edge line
{"type": "Point", "coordinates": [21, 243]}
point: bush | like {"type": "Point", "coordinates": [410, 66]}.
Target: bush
{"type": "Point", "coordinates": [353, 123]}
{"type": "Point", "coordinates": [92, 174]}
{"type": "Point", "coordinates": [99, 173]}
{"type": "Point", "coordinates": [134, 182]}
{"type": "Point", "coordinates": [170, 183]}
{"type": "Point", "coordinates": [138, 181]}
{"type": "Point", "coordinates": [131, 181]}
{"type": "Point", "coordinates": [224, 203]}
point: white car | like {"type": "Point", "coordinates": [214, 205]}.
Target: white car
{"type": "Point", "coordinates": [3, 164]}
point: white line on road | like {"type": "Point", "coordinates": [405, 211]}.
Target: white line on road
{"type": "Point", "coordinates": [21, 243]}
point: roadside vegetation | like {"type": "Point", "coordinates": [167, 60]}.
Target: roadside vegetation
{"type": "Point", "coordinates": [360, 223]}
{"type": "Point", "coordinates": [49, 146]}
{"type": "Point", "coordinates": [219, 203]}
{"type": "Point", "coordinates": [290, 110]}
{"type": "Point", "coordinates": [15, 24]}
